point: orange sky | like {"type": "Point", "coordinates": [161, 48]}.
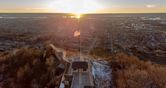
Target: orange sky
{"type": "Point", "coordinates": [82, 6]}
{"type": "Point", "coordinates": [112, 10]}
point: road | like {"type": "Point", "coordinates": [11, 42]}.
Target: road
{"type": "Point", "coordinates": [101, 73]}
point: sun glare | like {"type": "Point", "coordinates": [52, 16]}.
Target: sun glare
{"type": "Point", "coordinates": [78, 16]}
{"type": "Point", "coordinates": [76, 6]}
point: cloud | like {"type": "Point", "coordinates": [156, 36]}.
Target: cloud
{"type": "Point", "coordinates": [35, 8]}
{"type": "Point", "coordinates": [151, 6]}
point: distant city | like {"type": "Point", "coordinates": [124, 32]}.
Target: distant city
{"type": "Point", "coordinates": [143, 35]}
{"type": "Point", "coordinates": [87, 51]}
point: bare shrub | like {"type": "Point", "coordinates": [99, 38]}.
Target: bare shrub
{"type": "Point", "coordinates": [130, 72]}
{"type": "Point", "coordinates": [25, 68]}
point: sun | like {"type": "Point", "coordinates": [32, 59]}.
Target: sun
{"type": "Point", "coordinates": [78, 16]}
{"type": "Point", "coordinates": [76, 6]}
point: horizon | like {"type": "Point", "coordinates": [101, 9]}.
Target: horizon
{"type": "Point", "coordinates": [82, 6]}
{"type": "Point", "coordinates": [73, 14]}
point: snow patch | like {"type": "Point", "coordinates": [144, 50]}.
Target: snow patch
{"type": "Point", "coordinates": [102, 74]}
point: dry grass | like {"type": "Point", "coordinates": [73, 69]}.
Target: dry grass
{"type": "Point", "coordinates": [129, 72]}
{"type": "Point", "coordinates": [26, 68]}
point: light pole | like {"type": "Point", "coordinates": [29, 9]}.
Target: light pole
{"type": "Point", "coordinates": [77, 33]}
{"type": "Point", "coordinates": [79, 29]}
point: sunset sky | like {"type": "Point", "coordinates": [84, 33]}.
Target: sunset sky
{"type": "Point", "coordinates": [83, 6]}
